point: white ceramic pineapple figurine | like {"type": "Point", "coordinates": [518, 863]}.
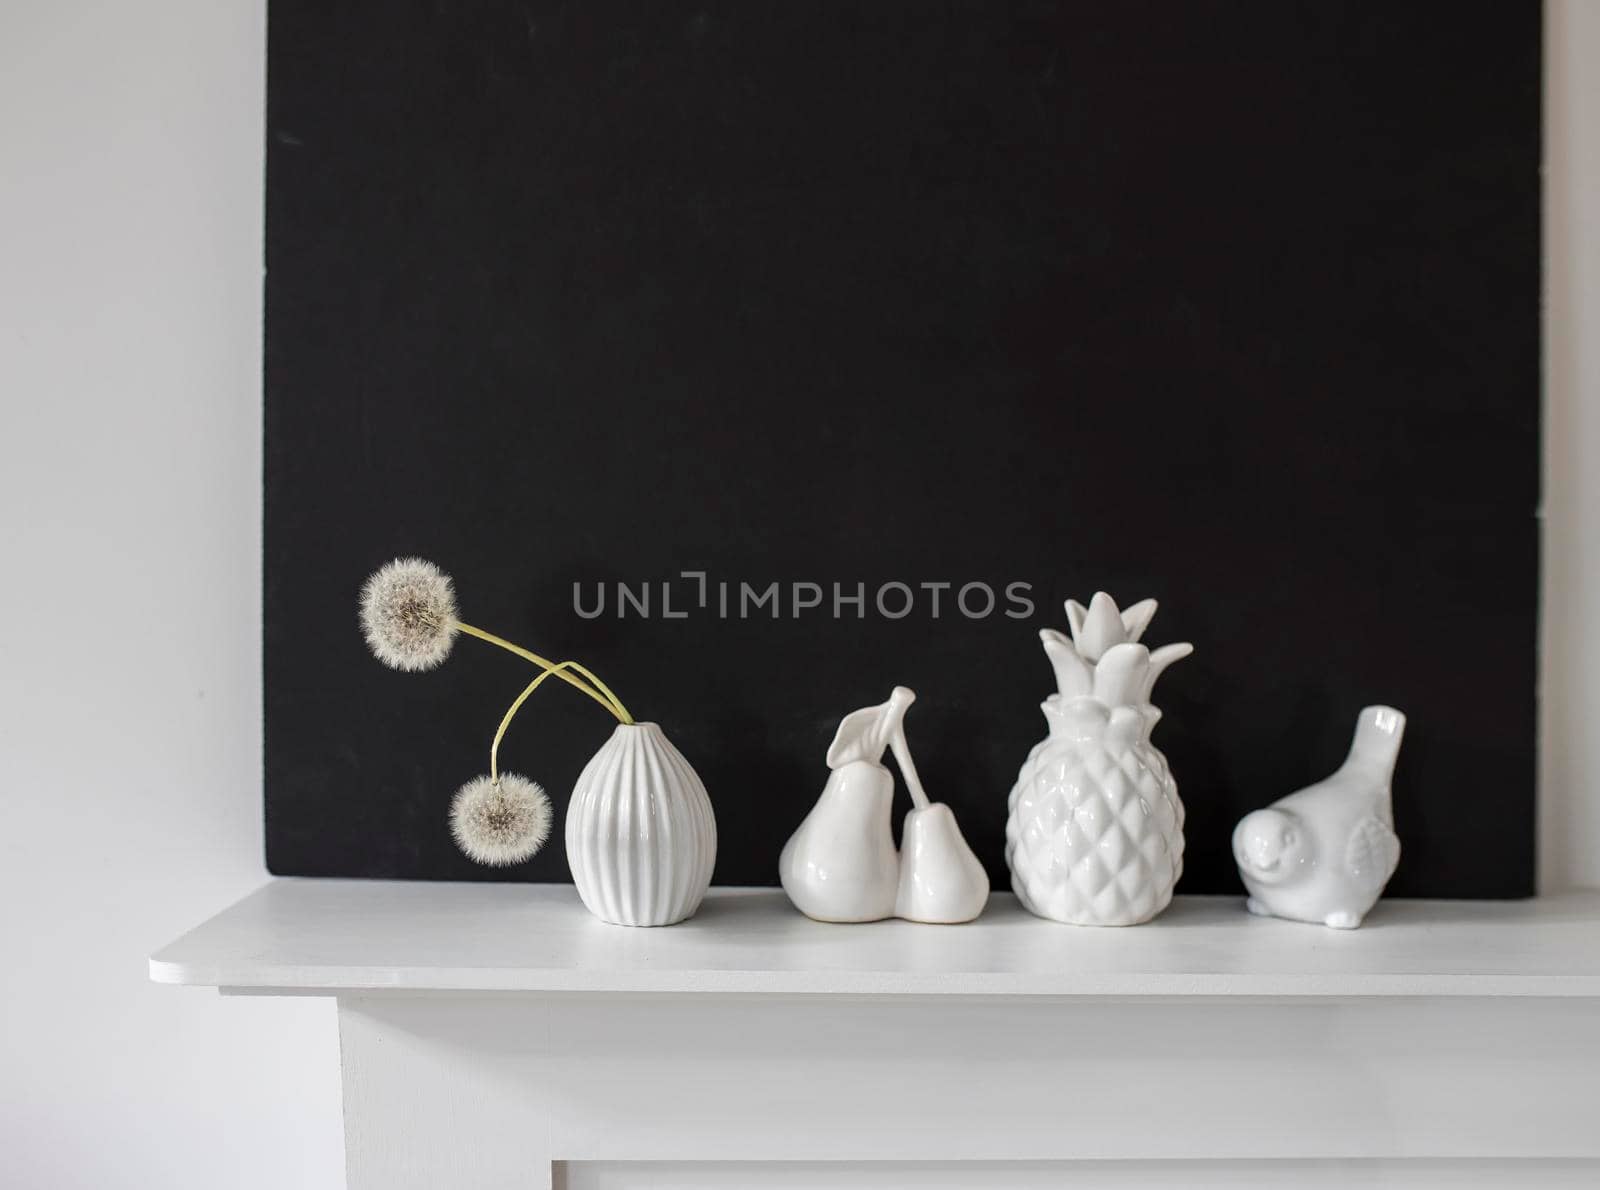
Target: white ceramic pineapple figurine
{"type": "Point", "coordinates": [1095, 833]}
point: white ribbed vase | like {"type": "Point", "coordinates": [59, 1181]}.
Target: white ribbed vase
{"type": "Point", "coordinates": [641, 837]}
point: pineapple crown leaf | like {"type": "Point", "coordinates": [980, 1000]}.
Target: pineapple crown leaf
{"type": "Point", "coordinates": [1100, 625]}
{"type": "Point", "coordinates": [1103, 660]}
{"type": "Point", "coordinates": [1074, 675]}
{"type": "Point", "coordinates": [1119, 676]}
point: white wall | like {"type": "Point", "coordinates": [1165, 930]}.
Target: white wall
{"type": "Point", "coordinates": [130, 217]}
{"type": "Point", "coordinates": [130, 752]}
{"type": "Point", "coordinates": [1569, 774]}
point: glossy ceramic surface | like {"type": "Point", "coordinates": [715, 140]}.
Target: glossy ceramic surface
{"type": "Point", "coordinates": [1095, 830]}
{"type": "Point", "coordinates": [1325, 853]}
{"type": "Point", "coordinates": [841, 864]}
{"type": "Point", "coordinates": [641, 836]}
{"type": "Point", "coordinates": [941, 880]}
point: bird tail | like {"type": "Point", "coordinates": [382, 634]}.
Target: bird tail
{"type": "Point", "coordinates": [1376, 746]}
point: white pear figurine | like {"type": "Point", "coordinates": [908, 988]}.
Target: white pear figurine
{"type": "Point", "coordinates": [1324, 854]}
{"type": "Point", "coordinates": [841, 865]}
{"type": "Point", "coordinates": [941, 881]}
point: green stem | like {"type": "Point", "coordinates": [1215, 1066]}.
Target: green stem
{"type": "Point", "coordinates": [616, 703]}
{"type": "Point", "coordinates": [606, 699]}
{"type": "Point", "coordinates": [494, 748]}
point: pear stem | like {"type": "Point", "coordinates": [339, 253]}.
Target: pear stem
{"type": "Point", "coordinates": [908, 769]}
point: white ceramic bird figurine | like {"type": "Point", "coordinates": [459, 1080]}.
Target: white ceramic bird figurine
{"type": "Point", "coordinates": [1325, 853]}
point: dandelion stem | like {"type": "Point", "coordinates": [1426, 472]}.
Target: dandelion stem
{"type": "Point", "coordinates": [620, 710]}
{"type": "Point", "coordinates": [607, 699]}
{"type": "Point", "coordinates": [494, 748]}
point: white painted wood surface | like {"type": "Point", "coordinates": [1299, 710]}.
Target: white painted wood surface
{"type": "Point", "coordinates": [1085, 1175]}
{"type": "Point", "coordinates": [496, 1036]}
{"type": "Point", "coordinates": [338, 935]}
{"type": "Point", "coordinates": [513, 1091]}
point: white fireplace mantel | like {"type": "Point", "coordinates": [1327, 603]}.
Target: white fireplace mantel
{"type": "Point", "coordinates": [496, 1035]}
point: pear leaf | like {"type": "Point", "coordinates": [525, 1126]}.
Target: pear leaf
{"type": "Point", "coordinates": [864, 734]}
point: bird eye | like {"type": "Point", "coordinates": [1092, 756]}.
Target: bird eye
{"type": "Point", "coordinates": [1288, 838]}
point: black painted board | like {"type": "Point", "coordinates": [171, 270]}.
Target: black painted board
{"type": "Point", "coordinates": [1231, 304]}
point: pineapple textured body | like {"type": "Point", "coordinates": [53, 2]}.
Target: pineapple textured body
{"type": "Point", "coordinates": [1094, 836]}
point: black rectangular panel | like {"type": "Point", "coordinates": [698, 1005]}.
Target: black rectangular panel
{"type": "Point", "coordinates": [1232, 304]}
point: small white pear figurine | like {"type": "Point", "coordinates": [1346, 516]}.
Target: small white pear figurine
{"type": "Point", "coordinates": [1324, 854]}
{"type": "Point", "coordinates": [941, 881]}
{"type": "Point", "coordinates": [841, 864]}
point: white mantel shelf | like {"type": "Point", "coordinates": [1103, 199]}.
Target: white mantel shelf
{"type": "Point", "coordinates": [340, 936]}
{"type": "Point", "coordinates": [498, 1036]}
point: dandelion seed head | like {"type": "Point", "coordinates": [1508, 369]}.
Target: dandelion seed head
{"type": "Point", "coordinates": [408, 614]}
{"type": "Point", "coordinates": [500, 821]}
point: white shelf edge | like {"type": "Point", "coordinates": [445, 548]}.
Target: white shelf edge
{"type": "Point", "coordinates": [321, 937]}
{"type": "Point", "coordinates": [492, 981]}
